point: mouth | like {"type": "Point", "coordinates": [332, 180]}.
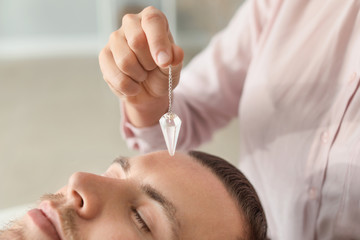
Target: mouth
{"type": "Point", "coordinates": [53, 216]}
{"type": "Point", "coordinates": [44, 223]}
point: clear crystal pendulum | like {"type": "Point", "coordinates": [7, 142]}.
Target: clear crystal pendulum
{"type": "Point", "coordinates": [170, 123]}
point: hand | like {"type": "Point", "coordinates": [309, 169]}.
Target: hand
{"type": "Point", "coordinates": [135, 64]}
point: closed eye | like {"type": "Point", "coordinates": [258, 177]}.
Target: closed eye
{"type": "Point", "coordinates": [140, 221]}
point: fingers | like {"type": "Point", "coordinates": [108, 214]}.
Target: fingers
{"type": "Point", "coordinates": [137, 41]}
{"type": "Point", "coordinates": [156, 29]}
{"type": "Point", "coordinates": [147, 35]}
{"type": "Point", "coordinates": [120, 83]}
{"type": "Point", "coordinates": [125, 58]}
{"type": "Point", "coordinates": [140, 52]}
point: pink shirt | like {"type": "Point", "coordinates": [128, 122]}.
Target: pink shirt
{"type": "Point", "coordinates": [290, 71]}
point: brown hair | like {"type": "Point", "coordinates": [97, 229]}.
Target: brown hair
{"type": "Point", "coordinates": [240, 189]}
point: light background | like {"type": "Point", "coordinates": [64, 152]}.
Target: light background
{"type": "Point", "coordinates": [57, 115]}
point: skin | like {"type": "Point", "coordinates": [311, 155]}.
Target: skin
{"type": "Point", "coordinates": [135, 64]}
{"type": "Point", "coordinates": [102, 207]}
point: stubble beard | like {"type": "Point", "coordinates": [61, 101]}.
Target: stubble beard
{"type": "Point", "coordinates": [16, 230]}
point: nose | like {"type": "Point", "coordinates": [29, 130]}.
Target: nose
{"type": "Point", "coordinates": [84, 192]}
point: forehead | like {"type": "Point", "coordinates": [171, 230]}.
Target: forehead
{"type": "Point", "coordinates": [181, 163]}
{"type": "Point", "coordinates": [199, 196]}
{"type": "Point", "coordinates": [178, 171]}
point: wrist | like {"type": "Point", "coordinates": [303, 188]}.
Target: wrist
{"type": "Point", "coordinates": [147, 113]}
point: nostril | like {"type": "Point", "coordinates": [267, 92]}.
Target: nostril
{"type": "Point", "coordinates": [83, 195]}
{"type": "Point", "coordinates": [82, 203]}
{"type": "Point", "coordinates": [77, 199]}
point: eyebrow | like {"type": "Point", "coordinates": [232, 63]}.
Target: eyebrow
{"type": "Point", "coordinates": [152, 193]}
{"type": "Point", "coordinates": [123, 162]}
{"type": "Point", "coordinates": [167, 206]}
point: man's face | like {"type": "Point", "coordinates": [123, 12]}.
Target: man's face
{"type": "Point", "coordinates": [152, 196]}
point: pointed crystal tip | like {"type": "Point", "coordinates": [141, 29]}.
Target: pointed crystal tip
{"type": "Point", "coordinates": [170, 125]}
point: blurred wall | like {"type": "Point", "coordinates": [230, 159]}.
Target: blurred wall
{"type": "Point", "coordinates": [26, 18]}
{"type": "Point", "coordinates": [57, 115]}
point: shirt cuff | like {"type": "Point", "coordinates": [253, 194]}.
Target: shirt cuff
{"type": "Point", "coordinates": [144, 139]}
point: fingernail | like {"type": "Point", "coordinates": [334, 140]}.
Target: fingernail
{"type": "Point", "coordinates": [163, 58]}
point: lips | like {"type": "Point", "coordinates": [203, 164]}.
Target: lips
{"type": "Point", "coordinates": [44, 223]}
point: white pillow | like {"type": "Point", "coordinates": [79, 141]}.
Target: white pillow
{"type": "Point", "coordinates": [13, 213]}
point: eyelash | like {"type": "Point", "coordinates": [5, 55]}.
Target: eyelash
{"type": "Point", "coordinates": [140, 220]}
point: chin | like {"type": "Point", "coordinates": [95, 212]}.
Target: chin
{"type": "Point", "coordinates": [14, 231]}
{"type": "Point", "coordinates": [22, 229]}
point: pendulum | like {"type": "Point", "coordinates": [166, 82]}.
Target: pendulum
{"type": "Point", "coordinates": [170, 123]}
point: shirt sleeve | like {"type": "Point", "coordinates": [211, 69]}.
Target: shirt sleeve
{"type": "Point", "coordinates": [210, 88]}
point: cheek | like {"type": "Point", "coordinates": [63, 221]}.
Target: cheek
{"type": "Point", "coordinates": [61, 190]}
{"type": "Point", "coordinates": [107, 228]}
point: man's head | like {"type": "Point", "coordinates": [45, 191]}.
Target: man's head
{"type": "Point", "coordinates": [153, 196]}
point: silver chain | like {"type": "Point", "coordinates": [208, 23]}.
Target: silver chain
{"type": "Point", "coordinates": [170, 89]}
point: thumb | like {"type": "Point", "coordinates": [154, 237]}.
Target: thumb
{"type": "Point", "coordinates": [177, 60]}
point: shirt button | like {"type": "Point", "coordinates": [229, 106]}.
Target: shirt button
{"type": "Point", "coordinates": [312, 193]}
{"type": "Point", "coordinates": [325, 137]}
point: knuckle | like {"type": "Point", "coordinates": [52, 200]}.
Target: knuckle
{"type": "Point", "coordinates": [128, 18]}
{"type": "Point", "coordinates": [102, 58]}
{"type": "Point", "coordinates": [113, 36]}
{"type": "Point", "coordinates": [125, 62]}
{"type": "Point", "coordinates": [138, 41]}
{"type": "Point", "coordinates": [150, 9]}
{"type": "Point", "coordinates": [150, 17]}
{"type": "Point", "coordinates": [153, 14]}
{"type": "Point", "coordinates": [103, 53]}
